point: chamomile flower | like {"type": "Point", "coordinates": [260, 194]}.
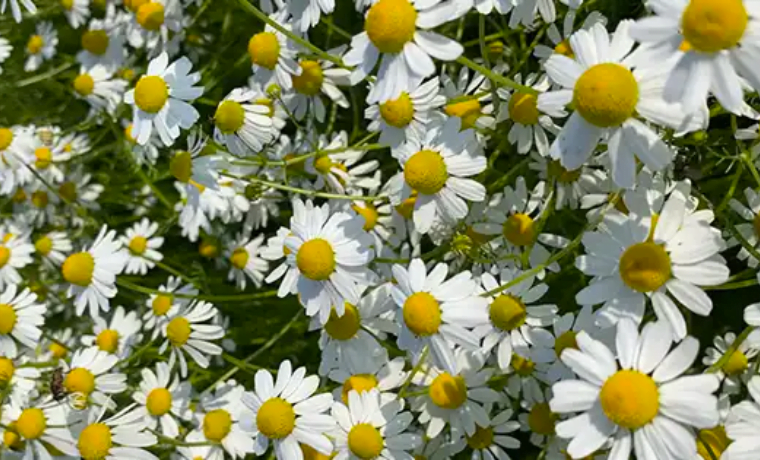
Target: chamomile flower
{"type": "Point", "coordinates": [407, 115]}
{"type": "Point", "coordinates": [37, 426]}
{"type": "Point", "coordinates": [187, 332]}
{"type": "Point", "coordinates": [165, 400]}
{"type": "Point", "coordinates": [19, 381]}
{"type": "Point", "coordinates": [391, 34]}
{"type": "Point", "coordinates": [122, 435]}
{"type": "Point", "coordinates": [91, 273]}
{"type": "Point", "coordinates": [749, 231]}
{"type": "Point", "coordinates": [437, 314]}
{"type": "Point", "coordinates": [437, 168]}
{"type": "Point", "coordinates": [456, 397]}
{"type": "Point", "coordinates": [164, 305]}
{"type": "Point", "coordinates": [287, 412]}
{"type": "Point", "coordinates": [469, 99]}
{"type": "Point", "coordinates": [243, 122]}
{"type": "Point", "coordinates": [656, 259]}
{"type": "Point", "coordinates": [562, 41]}
{"type": "Point", "coordinates": [88, 376]}
{"type": "Point", "coordinates": [223, 421]}
{"type": "Point", "coordinates": [5, 51]}
{"type": "Point", "coordinates": [317, 77]}
{"type": "Point", "coordinates": [368, 375]}
{"type": "Point", "coordinates": [161, 99]}
{"type": "Point", "coordinates": [76, 12]}
{"type": "Point", "coordinates": [20, 320]}
{"type": "Point", "coordinates": [152, 22]}
{"type": "Point", "coordinates": [16, 10]}
{"type": "Point", "coordinates": [41, 45]}
{"type": "Point", "coordinates": [118, 337]}
{"type": "Point", "coordinates": [102, 44]}
{"type": "Point", "coordinates": [539, 419]}
{"type": "Point", "coordinates": [273, 57]}
{"type": "Point", "coordinates": [195, 171]}
{"type": "Point", "coordinates": [529, 123]}
{"type": "Point", "coordinates": [607, 96]}
{"type": "Point", "coordinates": [736, 371]}
{"type": "Point", "coordinates": [96, 86]}
{"type": "Point", "coordinates": [340, 171]}
{"type": "Point", "coordinates": [742, 422]}
{"type": "Point", "coordinates": [368, 429]}
{"type": "Point", "coordinates": [490, 441]}
{"type": "Point", "coordinates": [141, 245]}
{"type": "Point", "coordinates": [327, 259]}
{"type": "Point", "coordinates": [15, 254]}
{"type": "Point", "coordinates": [245, 258]}
{"type": "Point", "coordinates": [142, 154]}
{"type": "Point", "coordinates": [639, 400]}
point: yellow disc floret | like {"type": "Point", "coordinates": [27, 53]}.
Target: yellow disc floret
{"type": "Point", "coordinates": [5, 255]}
{"type": "Point", "coordinates": [422, 314]}
{"type": "Point", "coordinates": [239, 258]}
{"type": "Point", "coordinates": [264, 49]}
{"type": "Point", "coordinates": [7, 369]}
{"type": "Point", "coordinates": [151, 93]}
{"type": "Point", "coordinates": [138, 244]}
{"type": "Point", "coordinates": [276, 418]}
{"type": "Point", "coordinates": [310, 80]}
{"type": "Point", "coordinates": [84, 84]}
{"type": "Point", "coordinates": [482, 438]}
{"type": "Point", "coordinates": [390, 24]}
{"type": "Point", "coordinates": [95, 442]}
{"type": "Point", "coordinates": [398, 112]}
{"type": "Point", "coordinates": [736, 364]}
{"type": "Point", "coordinates": [710, 26]}
{"type": "Point", "coordinates": [507, 312]}
{"type": "Point", "coordinates": [151, 16]}
{"type": "Point", "coordinates": [359, 383]}
{"type": "Point", "coordinates": [79, 380]}
{"type": "Point", "coordinates": [519, 229]}
{"type": "Point", "coordinates": [563, 176]}
{"type": "Point", "coordinates": [316, 259]}
{"type": "Point", "coordinates": [369, 213]}
{"type": "Point", "coordinates": [565, 49]}
{"type": "Point", "coordinates": [606, 95]}
{"type": "Point", "coordinates": [523, 108]}
{"type": "Point", "coordinates": [31, 423]}
{"type": "Point", "coordinates": [217, 425]}
{"type": "Point", "coordinates": [630, 399]}
{"type": "Point", "coordinates": [522, 366]}
{"type": "Point", "coordinates": [541, 420]}
{"type": "Point", "coordinates": [468, 111]}
{"type": "Point", "coordinates": [6, 137]}
{"type": "Point", "coordinates": [344, 327]}
{"type": "Point", "coordinates": [95, 41]}
{"type": "Point", "coordinates": [108, 340]}
{"type": "Point", "coordinates": [181, 166]}
{"type": "Point", "coordinates": [35, 44]}
{"type": "Point", "coordinates": [159, 401]}
{"type": "Point", "coordinates": [161, 304]}
{"type": "Point", "coordinates": [44, 245]}
{"type": "Point", "coordinates": [426, 172]}
{"type": "Point", "coordinates": [40, 199]}
{"type": "Point", "coordinates": [566, 340]}
{"type": "Point", "coordinates": [43, 157]}
{"type": "Point", "coordinates": [178, 331]}
{"type": "Point", "coordinates": [229, 117]}
{"type": "Point", "coordinates": [77, 268]}
{"type": "Point", "coordinates": [716, 439]}
{"type": "Point", "coordinates": [309, 453]}
{"type": "Point", "coordinates": [448, 391]}
{"type": "Point", "coordinates": [7, 318]}
{"type": "Point", "coordinates": [365, 441]}
{"type": "Point", "coordinates": [645, 267]}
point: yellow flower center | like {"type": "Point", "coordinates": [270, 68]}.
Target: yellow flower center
{"type": "Point", "coordinates": [276, 418]}
{"type": "Point", "coordinates": [151, 16]}
{"type": "Point", "coordinates": [217, 425]}
{"type": "Point", "coordinates": [369, 213]}
{"type": "Point", "coordinates": [181, 166]}
{"type": "Point", "coordinates": [365, 441]}
{"type": "Point", "coordinates": [44, 245]}
{"type": "Point", "coordinates": [630, 399]}
{"type": "Point", "coordinates": [507, 312]}
{"type": "Point", "coordinates": [178, 331]}
{"type": "Point", "coordinates": [5, 255]}
{"type": "Point", "coordinates": [95, 41]}
{"type": "Point", "coordinates": [606, 95]}
{"type": "Point", "coordinates": [448, 391]}
{"type": "Point", "coordinates": [134, 5]}
{"type": "Point", "coordinates": [151, 93]}
{"type": "Point", "coordinates": [523, 108]}
{"type": "Point", "coordinates": [79, 380]}
{"type": "Point", "coordinates": [323, 164]}
{"type": "Point", "coordinates": [161, 304]}
{"type": "Point", "coordinates": [426, 172]}
{"type": "Point", "coordinates": [482, 438]}
{"type": "Point", "coordinates": [359, 383]}
{"type": "Point", "coordinates": [40, 199]}
{"type": "Point", "coordinates": [714, 25]}
{"type": "Point", "coordinates": [563, 176]}
{"type": "Point", "coordinates": [11, 439]}
{"type": "Point", "coordinates": [519, 229]}
{"type": "Point", "coordinates": [95, 442]}
{"type": "Point", "coordinates": [422, 314]}
{"type": "Point", "coordinates": [7, 318]}
{"type": "Point", "coordinates": [35, 44]}
{"type": "Point", "coordinates": [138, 244]}
{"type": "Point", "coordinates": [7, 369]}
{"type": "Point", "coordinates": [398, 112]}
{"type": "Point", "coordinates": [343, 327]}
{"type": "Point", "coordinates": [645, 267]}
{"type": "Point", "coordinates": [736, 364]}
{"type": "Point", "coordinates": [468, 111]}
{"type": "Point", "coordinates": [316, 259]}
{"type": "Point", "coordinates": [406, 208]}
{"type": "Point", "coordinates": [108, 340]}
{"type": "Point", "coordinates": [208, 248]}
{"type": "Point", "coordinates": [159, 401]}
{"type": "Point", "coordinates": [239, 258]}
{"type": "Point", "coordinates": [31, 423]}
{"type": "Point", "coordinates": [310, 453]}
{"type": "Point", "coordinates": [57, 350]}
{"type": "Point", "coordinates": [541, 420]}
{"type": "Point", "coordinates": [128, 134]}
{"type": "Point", "coordinates": [6, 137]}
{"type": "Point", "coordinates": [390, 24]}
{"type": "Point", "coordinates": [264, 49]}
{"type": "Point", "coordinates": [77, 268]}
{"type": "Point", "coordinates": [84, 84]}
{"type": "Point", "coordinates": [310, 80]}
{"type": "Point", "coordinates": [43, 157]}
{"type": "Point", "coordinates": [564, 341]}
{"type": "Point", "coordinates": [522, 366]}
{"type": "Point", "coordinates": [565, 49]}
{"type": "Point", "coordinates": [716, 439]}
{"type": "Point", "coordinates": [229, 117]}
{"type": "Point", "coordinates": [67, 4]}
{"type": "Point", "coordinates": [68, 191]}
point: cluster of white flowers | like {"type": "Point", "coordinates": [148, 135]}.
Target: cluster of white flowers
{"type": "Point", "coordinates": [514, 252]}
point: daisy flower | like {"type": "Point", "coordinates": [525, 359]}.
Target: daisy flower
{"type": "Point", "coordinates": [5, 51]}
{"type": "Point", "coordinates": [142, 154]}
{"type": "Point", "coordinates": [92, 273]}
{"type": "Point", "coordinates": [539, 419]}
{"type": "Point", "coordinates": [639, 400]}
{"type": "Point", "coordinates": [437, 314]}
{"type": "Point", "coordinates": [513, 315]}
{"type": "Point", "coordinates": [750, 231]}
{"type": "Point", "coordinates": [243, 122]}
{"type": "Point", "coordinates": [246, 261]}
{"type": "Point", "coordinates": [469, 99]}
{"type": "Point", "coordinates": [377, 215]}
{"type": "Point", "coordinates": [41, 46]}
{"type": "Point", "coordinates": [18, 380]}
{"type": "Point", "coordinates": [141, 247]}
{"type": "Point", "coordinates": [561, 41]}
{"type": "Point", "coordinates": [713, 46]}
{"type": "Point", "coordinates": [102, 43]}
{"type": "Point", "coordinates": [123, 435]}
{"type": "Point", "coordinates": [76, 12]}
{"type": "Point", "coordinates": [119, 337]}
{"type": "Point", "coordinates": [529, 124]}
{"type": "Point", "coordinates": [88, 377]}
{"type": "Point", "coordinates": [327, 260]}
{"type": "Point", "coordinates": [15, 253]}
{"type": "Point", "coordinates": [273, 57]}
{"type": "Point", "coordinates": [195, 171]}
{"type": "Point", "coordinates": [407, 115]}
{"type": "Point", "coordinates": [16, 10]}
{"type": "Point", "coordinates": [385, 378]}
{"type": "Point", "coordinates": [161, 98]}
{"type": "Point", "coordinates": [20, 320]}
{"type": "Point", "coordinates": [222, 422]}
{"type": "Point", "coordinates": [339, 171]}
{"type": "Point", "coordinates": [437, 167]}
{"type": "Point", "coordinates": [607, 96]}
{"type": "Point", "coordinates": [152, 22]}
{"type": "Point", "coordinates": [659, 259]}
{"type": "Point", "coordinates": [36, 427]}
{"type": "Point", "coordinates": [734, 373]}
{"type": "Point", "coordinates": [456, 397]}
{"type": "Point", "coordinates": [164, 399]}
{"type": "Point", "coordinates": [287, 412]}
{"type": "Point", "coordinates": [367, 429]}
{"type": "Point", "coordinates": [391, 34]}
{"type": "Point", "coordinates": [96, 86]}
{"type": "Point", "coordinates": [317, 77]}
{"type": "Point", "coordinates": [743, 421]}
{"type": "Point", "coordinates": [490, 441]}
{"type": "Point", "coordinates": [186, 332]}
{"type": "Point", "coordinates": [525, 11]}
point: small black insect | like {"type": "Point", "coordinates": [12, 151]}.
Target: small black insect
{"type": "Point", "coordinates": [56, 384]}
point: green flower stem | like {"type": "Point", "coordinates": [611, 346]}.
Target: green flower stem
{"type": "Point", "coordinates": [209, 298]}
{"type": "Point", "coordinates": [305, 192]}
{"type": "Point", "coordinates": [731, 286]}
{"type": "Point", "coordinates": [415, 370]}
{"type": "Point", "coordinates": [718, 365]}
{"type": "Point", "coordinates": [44, 76]}
{"type": "Point", "coordinates": [497, 80]}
